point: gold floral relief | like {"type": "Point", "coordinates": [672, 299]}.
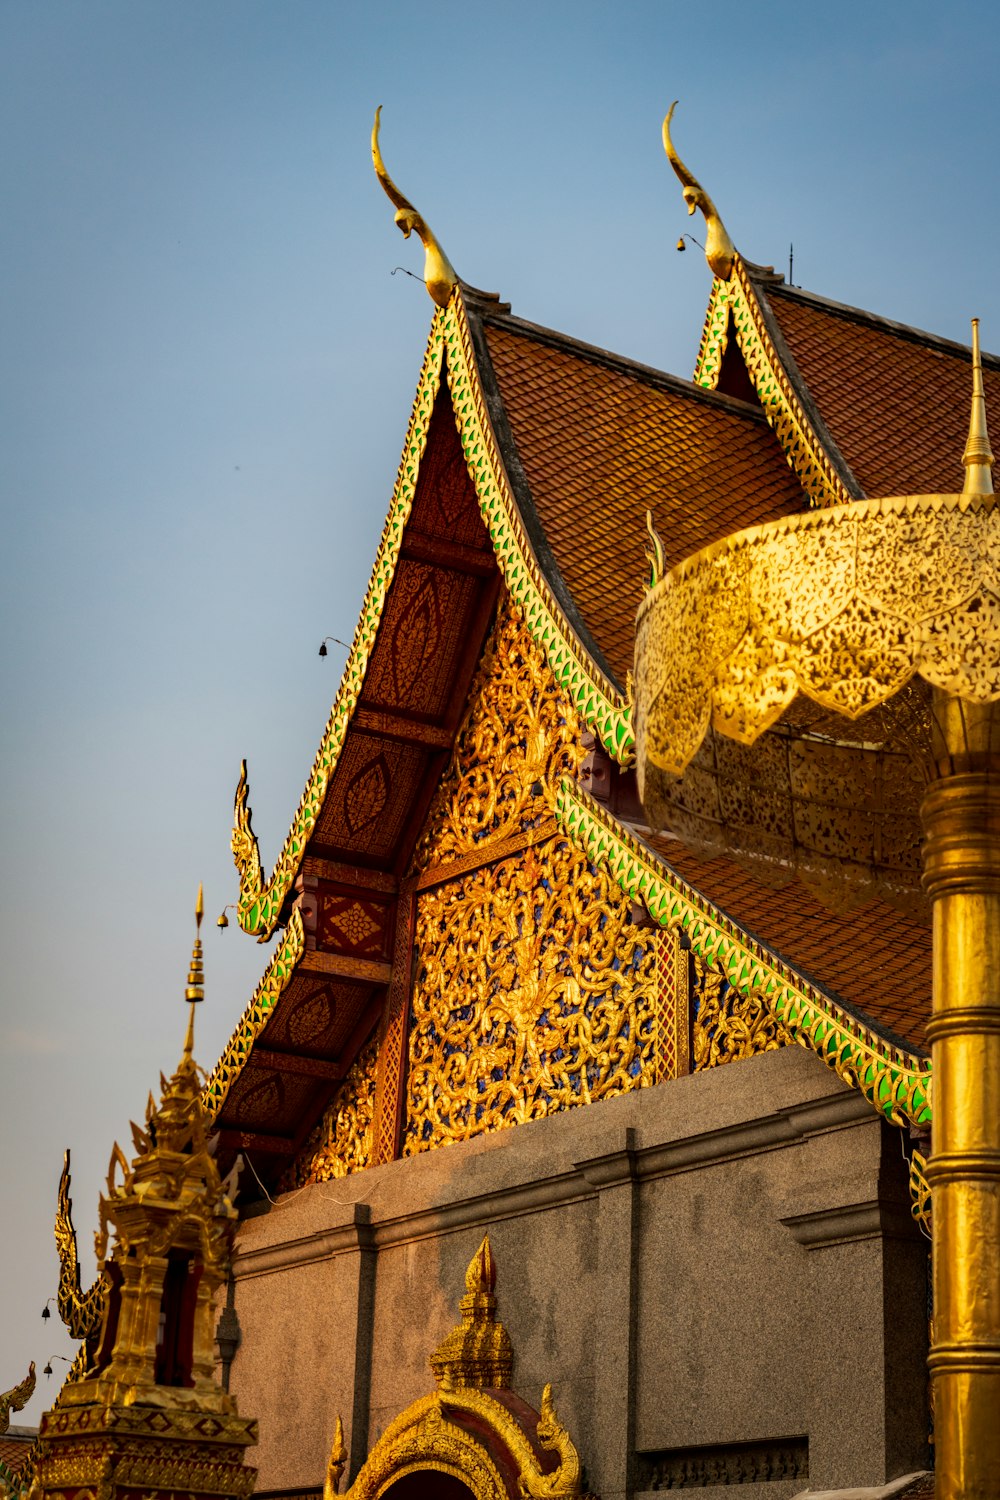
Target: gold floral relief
{"type": "Point", "coordinates": [342, 1141]}
{"type": "Point", "coordinates": [728, 1024]}
{"type": "Point", "coordinates": [521, 737]}
{"type": "Point", "coordinates": [534, 990]}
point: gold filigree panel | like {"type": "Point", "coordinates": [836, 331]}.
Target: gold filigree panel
{"type": "Point", "coordinates": [728, 1023]}
{"type": "Point", "coordinates": [342, 1141]}
{"type": "Point", "coordinates": [520, 738]}
{"type": "Point", "coordinates": [534, 989]}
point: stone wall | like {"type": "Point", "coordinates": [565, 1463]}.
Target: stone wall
{"type": "Point", "coordinates": [719, 1275]}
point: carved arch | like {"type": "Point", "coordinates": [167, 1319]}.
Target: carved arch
{"type": "Point", "coordinates": [422, 1438]}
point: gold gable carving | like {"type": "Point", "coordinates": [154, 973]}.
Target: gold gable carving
{"type": "Point", "coordinates": [534, 990]}
{"type": "Point", "coordinates": [342, 1141]}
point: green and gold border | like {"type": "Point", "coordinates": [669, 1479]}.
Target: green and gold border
{"type": "Point", "coordinates": [895, 1081]}
{"type": "Point", "coordinates": [598, 702]}
{"type": "Point", "coordinates": [269, 991]}
{"type": "Point", "coordinates": [260, 905]}
{"type": "Point", "coordinates": [595, 698]}
{"type": "Point", "coordinates": [801, 444]}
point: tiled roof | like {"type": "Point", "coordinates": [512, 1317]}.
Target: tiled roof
{"type": "Point", "coordinates": [14, 1450]}
{"type": "Point", "coordinates": [895, 400]}
{"type": "Point", "coordinates": [873, 957]}
{"type": "Point", "coordinates": [601, 440]}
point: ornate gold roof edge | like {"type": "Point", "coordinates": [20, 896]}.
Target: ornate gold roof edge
{"type": "Point", "coordinates": [260, 903]}
{"type": "Point", "coordinates": [272, 985]}
{"type": "Point", "coordinates": [808, 448]}
{"type": "Point", "coordinates": [895, 1081]}
{"type": "Point", "coordinates": [597, 700]}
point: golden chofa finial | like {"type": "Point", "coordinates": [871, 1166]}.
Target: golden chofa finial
{"type": "Point", "coordinates": [337, 1463]}
{"type": "Point", "coordinates": [978, 455]}
{"type": "Point", "coordinates": [195, 991]}
{"type": "Point", "coordinates": [439, 273]}
{"type": "Point", "coordinates": [720, 252]}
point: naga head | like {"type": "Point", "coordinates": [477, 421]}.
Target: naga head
{"type": "Point", "coordinates": [720, 252]}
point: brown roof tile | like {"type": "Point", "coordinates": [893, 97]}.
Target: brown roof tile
{"type": "Point", "coordinates": [14, 1450]}
{"type": "Point", "coordinates": [895, 400]}
{"type": "Point", "coordinates": [601, 440]}
{"type": "Point", "coordinates": [873, 957]}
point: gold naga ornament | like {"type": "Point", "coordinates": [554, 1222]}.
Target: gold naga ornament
{"type": "Point", "coordinates": [854, 652]}
{"type": "Point", "coordinates": [720, 252]}
{"type": "Point", "coordinates": [439, 278]}
{"type": "Point", "coordinates": [17, 1397]}
{"type": "Point", "coordinates": [141, 1407]}
{"type": "Point", "coordinates": [473, 1425]}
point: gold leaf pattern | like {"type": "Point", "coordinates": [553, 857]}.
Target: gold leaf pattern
{"type": "Point", "coordinates": [534, 991]}
{"type": "Point", "coordinates": [728, 1023]}
{"type": "Point", "coordinates": [342, 1141]}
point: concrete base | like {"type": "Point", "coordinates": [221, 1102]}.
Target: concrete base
{"type": "Point", "coordinates": [708, 1272]}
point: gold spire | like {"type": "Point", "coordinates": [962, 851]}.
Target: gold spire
{"type": "Point", "coordinates": [439, 273]}
{"type": "Point", "coordinates": [978, 455]}
{"type": "Point", "coordinates": [478, 1352]}
{"type": "Point", "coordinates": [720, 252]}
{"type": "Point", "coordinates": [196, 975]}
{"type": "Point", "coordinates": [336, 1464]}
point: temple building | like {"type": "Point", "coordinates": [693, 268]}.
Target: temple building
{"type": "Point", "coordinates": [685, 1095]}
{"type": "Point", "coordinates": [647, 1115]}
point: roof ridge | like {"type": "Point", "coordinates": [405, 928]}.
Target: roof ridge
{"type": "Point", "coordinates": [850, 313]}
{"type": "Point", "coordinates": [800, 385]}
{"type": "Point", "coordinates": [595, 354]}
{"type": "Point", "coordinates": [521, 489]}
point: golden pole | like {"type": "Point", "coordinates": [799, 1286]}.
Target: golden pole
{"type": "Point", "coordinates": [961, 818]}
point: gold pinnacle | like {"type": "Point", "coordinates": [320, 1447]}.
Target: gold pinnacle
{"type": "Point", "coordinates": [196, 975]}
{"type": "Point", "coordinates": [978, 455]}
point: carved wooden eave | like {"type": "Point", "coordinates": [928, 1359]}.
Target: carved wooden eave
{"type": "Point", "coordinates": [457, 530]}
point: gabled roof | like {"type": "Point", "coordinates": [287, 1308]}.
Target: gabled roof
{"type": "Point", "coordinates": [529, 463]}
{"type": "Point", "coordinates": [593, 441]}
{"type": "Point", "coordinates": [895, 399]}
{"type": "Point", "coordinates": [862, 406]}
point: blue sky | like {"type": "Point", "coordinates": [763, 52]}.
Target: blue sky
{"type": "Point", "coordinates": [206, 369]}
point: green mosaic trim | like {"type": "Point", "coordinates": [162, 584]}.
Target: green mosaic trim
{"type": "Point", "coordinates": [260, 905]}
{"type": "Point", "coordinates": [602, 707]}
{"type": "Point", "coordinates": [799, 440]}
{"type": "Point", "coordinates": [896, 1082]}
{"type": "Point", "coordinates": [714, 337]}
{"type": "Point", "coordinates": [269, 991]}
{"type": "Point", "coordinates": [15, 1484]}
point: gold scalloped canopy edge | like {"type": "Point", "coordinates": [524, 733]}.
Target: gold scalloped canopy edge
{"type": "Point", "coordinates": [862, 611]}
{"type": "Point", "coordinates": [895, 1081]}
{"type": "Point", "coordinates": [596, 699]}
{"type": "Point", "coordinates": [598, 702]}
{"type": "Point", "coordinates": [805, 450]}
{"type": "Point", "coordinates": [269, 991]}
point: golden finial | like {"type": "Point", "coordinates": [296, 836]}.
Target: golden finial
{"type": "Point", "coordinates": [439, 273]}
{"type": "Point", "coordinates": [477, 1353]}
{"type": "Point", "coordinates": [481, 1273]}
{"type": "Point", "coordinates": [978, 455]}
{"type": "Point", "coordinates": [655, 554]}
{"type": "Point", "coordinates": [196, 975]}
{"type": "Point", "coordinates": [720, 252]}
{"type": "Point", "coordinates": [13, 1400]}
{"type": "Point", "coordinates": [335, 1467]}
